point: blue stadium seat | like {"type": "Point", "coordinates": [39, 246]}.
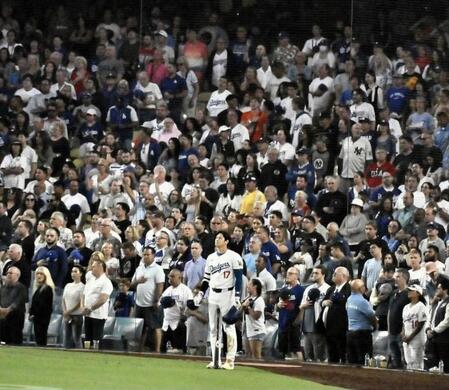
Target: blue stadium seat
{"type": "Point", "coordinates": [125, 334]}
{"type": "Point", "coordinates": [54, 330]}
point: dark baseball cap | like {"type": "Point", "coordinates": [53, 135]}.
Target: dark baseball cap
{"type": "Point", "coordinates": [432, 225]}
{"type": "Point", "coordinates": [303, 151]}
{"type": "Point", "coordinates": [263, 140]}
{"type": "Point", "coordinates": [364, 119]}
{"type": "Point", "coordinates": [111, 75]}
{"type": "Point", "coordinates": [384, 123]}
{"type": "Point", "coordinates": [283, 35]}
{"type": "Point", "coordinates": [250, 177]}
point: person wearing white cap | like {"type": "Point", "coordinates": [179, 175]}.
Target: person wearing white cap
{"type": "Point", "coordinates": [353, 226]}
{"type": "Point", "coordinates": [90, 131]}
{"type": "Point", "coordinates": [161, 38]}
{"type": "Point", "coordinates": [413, 335]}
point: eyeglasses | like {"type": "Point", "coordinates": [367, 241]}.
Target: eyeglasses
{"type": "Point", "coordinates": [29, 200]}
{"type": "Point", "coordinates": [216, 223]}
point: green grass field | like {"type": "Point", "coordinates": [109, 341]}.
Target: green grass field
{"type": "Point", "coordinates": [21, 368]}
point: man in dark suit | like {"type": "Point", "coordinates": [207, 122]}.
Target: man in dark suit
{"type": "Point", "coordinates": [335, 317]}
{"type": "Point", "coordinates": [438, 332]}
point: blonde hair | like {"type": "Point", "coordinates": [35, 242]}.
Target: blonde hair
{"type": "Point", "coordinates": [135, 232]}
{"type": "Point", "coordinates": [48, 279]}
{"type": "Point", "coordinates": [97, 255]}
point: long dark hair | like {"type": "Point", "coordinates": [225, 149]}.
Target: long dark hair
{"type": "Point", "coordinates": [257, 283]}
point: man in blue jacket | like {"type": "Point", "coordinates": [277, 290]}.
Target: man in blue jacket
{"type": "Point", "coordinates": [53, 257]}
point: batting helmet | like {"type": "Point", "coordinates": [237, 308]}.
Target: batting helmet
{"type": "Point", "coordinates": [232, 316]}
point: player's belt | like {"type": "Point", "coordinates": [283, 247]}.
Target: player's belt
{"type": "Point", "coordinates": [219, 290]}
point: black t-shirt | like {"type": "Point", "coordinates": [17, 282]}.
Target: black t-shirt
{"type": "Point", "coordinates": [123, 225]}
{"type": "Point", "coordinates": [128, 266]}
{"type": "Point", "coordinates": [397, 303]}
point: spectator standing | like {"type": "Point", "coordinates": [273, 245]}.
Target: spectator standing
{"type": "Point", "coordinates": [174, 301]}
{"type": "Point", "coordinates": [149, 280]}
{"type": "Point", "coordinates": [71, 309]}
{"type": "Point", "coordinates": [395, 321]}
{"type": "Point", "coordinates": [41, 304]}
{"type": "Point", "coordinates": [361, 323]}
{"type": "Point", "coordinates": [95, 301]}
{"type": "Point", "coordinates": [289, 315]}
{"type": "Point", "coordinates": [13, 296]}
{"type": "Point", "coordinates": [335, 316]}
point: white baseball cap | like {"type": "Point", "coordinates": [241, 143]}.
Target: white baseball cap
{"type": "Point", "coordinates": [91, 111]}
{"type": "Point", "coordinates": [357, 202]}
{"type": "Point", "coordinates": [222, 129]}
{"type": "Point", "coordinates": [162, 33]}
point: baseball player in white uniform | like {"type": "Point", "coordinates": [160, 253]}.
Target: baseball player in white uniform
{"type": "Point", "coordinates": [223, 276]}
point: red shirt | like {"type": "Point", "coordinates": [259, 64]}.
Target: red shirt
{"type": "Point", "coordinates": [374, 173]}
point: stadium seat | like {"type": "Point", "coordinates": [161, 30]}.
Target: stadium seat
{"type": "Point", "coordinates": [125, 334]}
{"type": "Point", "coordinates": [27, 331]}
{"type": "Point", "coordinates": [269, 345]}
{"type": "Point", "coordinates": [54, 330]}
{"type": "Point", "coordinates": [109, 325]}
{"type": "Point", "coordinates": [380, 343]}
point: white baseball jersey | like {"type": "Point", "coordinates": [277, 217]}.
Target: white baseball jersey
{"type": "Point", "coordinates": [219, 270]}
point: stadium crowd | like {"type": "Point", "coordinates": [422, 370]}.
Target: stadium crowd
{"type": "Point", "coordinates": [125, 149]}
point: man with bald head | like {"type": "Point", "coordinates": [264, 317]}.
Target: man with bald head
{"type": "Point", "coordinates": [13, 295]}
{"type": "Point", "coordinates": [14, 258]}
{"type": "Point", "coordinates": [174, 301]}
{"type": "Point", "coordinates": [361, 323]}
{"type": "Point", "coordinates": [335, 317]}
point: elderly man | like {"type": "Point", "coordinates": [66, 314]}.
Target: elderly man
{"type": "Point", "coordinates": [13, 295]}
{"type": "Point", "coordinates": [107, 236]}
{"type": "Point", "coordinates": [65, 236]}
{"type": "Point", "coordinates": [335, 317]}
{"type": "Point", "coordinates": [361, 323]}
{"type": "Point", "coordinates": [273, 203]}
{"type": "Point", "coordinates": [95, 301]}
{"type": "Point", "coordinates": [14, 258]}
{"type": "Point", "coordinates": [160, 189]}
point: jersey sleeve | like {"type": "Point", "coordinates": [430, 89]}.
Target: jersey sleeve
{"type": "Point", "coordinates": [237, 262]}
{"type": "Point", "coordinates": [160, 276]}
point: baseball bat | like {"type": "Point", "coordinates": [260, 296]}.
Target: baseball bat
{"type": "Point", "coordinates": [217, 341]}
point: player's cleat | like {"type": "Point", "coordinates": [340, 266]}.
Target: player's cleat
{"type": "Point", "coordinates": [228, 365]}
{"type": "Point", "coordinates": [211, 365]}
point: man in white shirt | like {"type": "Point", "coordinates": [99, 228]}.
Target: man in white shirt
{"type": "Point", "coordinates": [264, 72]}
{"type": "Point", "coordinates": [356, 153]}
{"type": "Point", "coordinates": [27, 91]}
{"type": "Point", "coordinates": [286, 149]}
{"type": "Point", "coordinates": [149, 281]}
{"type": "Point", "coordinates": [315, 341]}
{"type": "Point", "coordinates": [61, 82]}
{"type": "Point", "coordinates": [361, 109]}
{"type": "Point", "coordinates": [267, 279]}
{"type": "Point", "coordinates": [174, 301]}
{"type": "Point", "coordinates": [151, 90]}
{"type": "Point", "coordinates": [301, 119]}
{"type": "Point", "coordinates": [161, 38]}
{"type": "Point", "coordinates": [217, 101]}
{"type": "Point", "coordinates": [320, 91]}
{"type": "Point", "coordinates": [312, 45]}
{"type": "Point", "coordinates": [239, 133]}
{"type": "Point", "coordinates": [76, 203]}
{"type": "Point", "coordinates": [274, 204]}
{"type": "Point", "coordinates": [278, 77]}
{"type": "Point", "coordinates": [286, 103]}
{"type": "Point", "coordinates": [95, 301]}
{"type": "Point", "coordinates": [160, 188]}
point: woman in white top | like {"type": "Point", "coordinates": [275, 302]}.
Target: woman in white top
{"type": "Point", "coordinates": [254, 308]}
{"type": "Point", "coordinates": [12, 167]}
{"type": "Point", "coordinates": [71, 302]}
{"type": "Point", "coordinates": [413, 336]}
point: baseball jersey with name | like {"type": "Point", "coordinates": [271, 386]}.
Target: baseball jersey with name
{"type": "Point", "coordinates": [220, 268]}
